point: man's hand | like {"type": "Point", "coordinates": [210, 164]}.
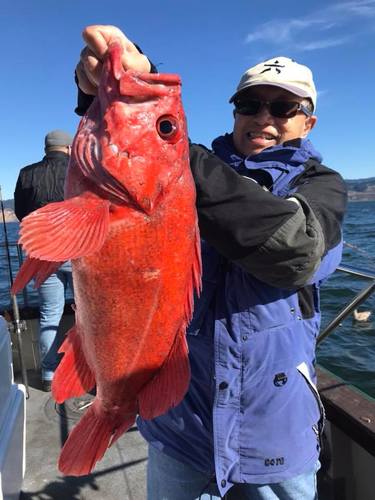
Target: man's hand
{"type": "Point", "coordinates": [97, 40]}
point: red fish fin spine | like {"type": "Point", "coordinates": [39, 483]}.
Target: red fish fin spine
{"type": "Point", "coordinates": [170, 384]}
{"type": "Point", "coordinates": [197, 264]}
{"type": "Point", "coordinates": [86, 443]}
{"type": "Point", "coordinates": [196, 278]}
{"type": "Point", "coordinates": [33, 268]}
{"type": "Point", "coordinates": [189, 305]}
{"type": "Point", "coordinates": [66, 230]}
{"type": "Point", "coordinates": [73, 376]}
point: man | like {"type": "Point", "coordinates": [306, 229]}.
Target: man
{"type": "Point", "coordinates": [37, 185]}
{"type": "Point", "coordinates": [270, 216]}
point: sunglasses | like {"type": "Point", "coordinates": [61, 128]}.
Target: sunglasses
{"type": "Point", "coordinates": [278, 109]}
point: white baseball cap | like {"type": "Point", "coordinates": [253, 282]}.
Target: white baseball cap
{"type": "Point", "coordinates": [280, 72]}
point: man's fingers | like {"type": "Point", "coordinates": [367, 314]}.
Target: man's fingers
{"type": "Point", "coordinates": [136, 61]}
{"type": "Point", "coordinates": [98, 37]}
{"type": "Point", "coordinates": [93, 69]}
{"type": "Point", "coordinates": [83, 82]}
{"type": "Point", "coordinates": [92, 65]}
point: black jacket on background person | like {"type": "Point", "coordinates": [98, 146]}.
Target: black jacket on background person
{"type": "Point", "coordinates": [40, 183]}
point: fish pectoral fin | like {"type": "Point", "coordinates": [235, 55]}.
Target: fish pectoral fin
{"type": "Point", "coordinates": [73, 377]}
{"type": "Point", "coordinates": [170, 384]}
{"type": "Point", "coordinates": [66, 230]}
{"type": "Point", "coordinates": [33, 268]}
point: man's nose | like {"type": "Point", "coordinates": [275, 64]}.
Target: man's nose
{"type": "Point", "coordinates": [264, 115]}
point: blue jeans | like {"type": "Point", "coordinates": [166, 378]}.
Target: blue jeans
{"type": "Point", "coordinates": [51, 304]}
{"type": "Point", "coordinates": [168, 479]}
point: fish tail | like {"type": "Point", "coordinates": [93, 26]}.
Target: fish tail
{"type": "Point", "coordinates": [88, 441]}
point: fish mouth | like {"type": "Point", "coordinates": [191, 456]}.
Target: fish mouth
{"type": "Point", "coordinates": [86, 152]}
{"type": "Point", "coordinates": [88, 157]}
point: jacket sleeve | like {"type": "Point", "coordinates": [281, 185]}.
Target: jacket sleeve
{"type": "Point", "coordinates": [279, 241]}
{"type": "Point", "coordinates": [21, 196]}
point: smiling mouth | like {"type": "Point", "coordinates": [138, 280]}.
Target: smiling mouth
{"type": "Point", "coordinates": [257, 135]}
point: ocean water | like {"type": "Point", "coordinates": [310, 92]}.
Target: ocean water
{"type": "Point", "coordinates": [349, 351]}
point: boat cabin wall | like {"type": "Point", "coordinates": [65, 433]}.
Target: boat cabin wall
{"type": "Point", "coordinates": [12, 423]}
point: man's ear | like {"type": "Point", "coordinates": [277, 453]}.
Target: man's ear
{"type": "Point", "coordinates": [309, 124]}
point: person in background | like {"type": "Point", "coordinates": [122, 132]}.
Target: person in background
{"type": "Point", "coordinates": [37, 185]}
{"type": "Point", "coordinates": [270, 215]}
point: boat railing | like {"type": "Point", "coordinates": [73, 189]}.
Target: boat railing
{"type": "Point", "coordinates": [361, 296]}
{"type": "Point", "coordinates": [16, 258]}
{"type": "Point", "coordinates": [13, 253]}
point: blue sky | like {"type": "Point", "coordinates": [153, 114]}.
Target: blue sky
{"type": "Point", "coordinates": [210, 44]}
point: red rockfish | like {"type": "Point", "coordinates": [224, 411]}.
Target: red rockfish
{"type": "Point", "coordinates": [129, 226]}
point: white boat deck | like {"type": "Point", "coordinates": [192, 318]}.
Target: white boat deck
{"type": "Point", "coordinates": [121, 474]}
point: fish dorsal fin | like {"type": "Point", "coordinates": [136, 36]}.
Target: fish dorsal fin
{"type": "Point", "coordinates": [66, 230]}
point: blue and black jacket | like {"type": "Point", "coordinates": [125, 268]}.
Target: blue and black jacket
{"type": "Point", "coordinates": [252, 413]}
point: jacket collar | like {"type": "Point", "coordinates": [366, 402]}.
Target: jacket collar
{"type": "Point", "coordinates": [55, 154]}
{"type": "Point", "coordinates": [292, 152]}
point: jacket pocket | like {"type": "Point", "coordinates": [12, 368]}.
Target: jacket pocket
{"type": "Point", "coordinates": [319, 426]}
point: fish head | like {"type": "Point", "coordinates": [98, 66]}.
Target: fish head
{"type": "Point", "coordinates": [133, 143]}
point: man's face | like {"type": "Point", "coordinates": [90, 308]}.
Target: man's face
{"type": "Point", "coordinates": [252, 134]}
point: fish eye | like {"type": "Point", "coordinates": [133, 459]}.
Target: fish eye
{"type": "Point", "coordinates": [167, 127]}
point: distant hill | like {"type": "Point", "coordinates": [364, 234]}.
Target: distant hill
{"type": "Point", "coordinates": [8, 204]}
{"type": "Point", "coordinates": [358, 190]}
{"type": "Point", "coordinates": [9, 214]}
{"type": "Point", "coordinates": [361, 189]}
